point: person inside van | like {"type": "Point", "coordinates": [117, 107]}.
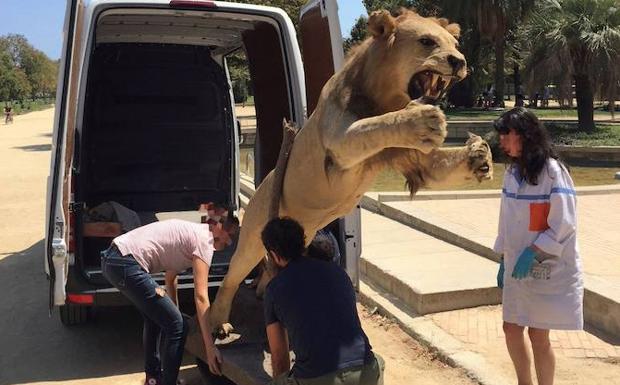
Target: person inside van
{"type": "Point", "coordinates": [172, 246]}
{"type": "Point", "coordinates": [324, 329]}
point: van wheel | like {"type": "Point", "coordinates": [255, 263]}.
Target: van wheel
{"type": "Point", "coordinates": [74, 314]}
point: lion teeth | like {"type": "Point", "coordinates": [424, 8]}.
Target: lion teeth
{"type": "Point", "coordinates": [434, 79]}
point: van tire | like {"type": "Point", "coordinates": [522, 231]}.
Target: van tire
{"type": "Point", "coordinates": [71, 315]}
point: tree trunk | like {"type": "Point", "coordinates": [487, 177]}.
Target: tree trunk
{"type": "Point", "coordinates": [500, 44]}
{"type": "Point", "coordinates": [585, 102]}
{"type": "Point", "coordinates": [517, 85]}
{"type": "Point", "coordinates": [611, 95]}
{"type": "Point", "coordinates": [463, 93]}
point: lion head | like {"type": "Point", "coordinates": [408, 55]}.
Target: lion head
{"type": "Point", "coordinates": [410, 57]}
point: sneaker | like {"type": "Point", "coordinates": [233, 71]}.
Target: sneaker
{"type": "Point", "coordinates": [151, 381]}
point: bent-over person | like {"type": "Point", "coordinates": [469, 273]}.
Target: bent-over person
{"type": "Point", "coordinates": [172, 246]}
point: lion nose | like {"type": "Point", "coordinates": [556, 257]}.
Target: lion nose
{"type": "Point", "coordinates": [456, 63]}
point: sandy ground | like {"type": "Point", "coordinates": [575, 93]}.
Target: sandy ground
{"type": "Point", "coordinates": [37, 349]}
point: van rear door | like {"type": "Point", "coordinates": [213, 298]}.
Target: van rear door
{"type": "Point", "coordinates": [323, 55]}
{"type": "Point", "coordinates": [58, 183]}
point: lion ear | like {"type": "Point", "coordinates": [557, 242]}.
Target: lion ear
{"type": "Point", "coordinates": [454, 29]}
{"type": "Point", "coordinates": [471, 135]}
{"type": "Point", "coordinates": [381, 24]}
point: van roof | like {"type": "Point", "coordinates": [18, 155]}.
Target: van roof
{"type": "Point", "coordinates": [218, 25]}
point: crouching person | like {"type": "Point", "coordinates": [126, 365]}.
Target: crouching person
{"type": "Point", "coordinates": [171, 246]}
{"type": "Point", "coordinates": [312, 302]}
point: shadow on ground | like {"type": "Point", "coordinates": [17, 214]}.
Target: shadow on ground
{"type": "Point", "coordinates": [35, 147]}
{"type": "Point", "coordinates": [36, 348]}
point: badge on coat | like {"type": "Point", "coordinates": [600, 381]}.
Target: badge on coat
{"type": "Point", "coordinates": [538, 216]}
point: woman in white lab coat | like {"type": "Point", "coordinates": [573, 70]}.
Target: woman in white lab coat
{"type": "Point", "coordinates": [541, 270]}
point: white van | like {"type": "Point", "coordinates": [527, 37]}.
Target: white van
{"type": "Point", "coordinates": [145, 119]}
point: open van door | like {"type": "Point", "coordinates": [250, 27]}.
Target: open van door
{"type": "Point", "coordinates": [57, 235]}
{"type": "Point", "coordinates": [323, 55]}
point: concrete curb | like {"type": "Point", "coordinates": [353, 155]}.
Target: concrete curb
{"type": "Point", "coordinates": [427, 303]}
{"type": "Point", "coordinates": [398, 196]}
{"type": "Point", "coordinates": [448, 349]}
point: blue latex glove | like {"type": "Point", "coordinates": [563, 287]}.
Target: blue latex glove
{"type": "Point", "coordinates": [500, 274]}
{"type": "Point", "coordinates": [524, 263]}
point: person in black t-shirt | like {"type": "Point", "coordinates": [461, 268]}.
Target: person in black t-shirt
{"type": "Point", "coordinates": [312, 302]}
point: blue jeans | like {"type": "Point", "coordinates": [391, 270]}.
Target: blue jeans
{"type": "Point", "coordinates": [164, 327]}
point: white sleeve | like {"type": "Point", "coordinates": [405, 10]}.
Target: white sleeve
{"type": "Point", "coordinates": [562, 218]}
{"type": "Point", "coordinates": [498, 247]}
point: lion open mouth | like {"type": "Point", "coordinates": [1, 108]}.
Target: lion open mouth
{"type": "Point", "coordinates": [428, 87]}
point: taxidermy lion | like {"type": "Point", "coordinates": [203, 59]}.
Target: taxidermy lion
{"type": "Point", "coordinates": [375, 112]}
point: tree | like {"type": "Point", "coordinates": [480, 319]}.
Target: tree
{"type": "Point", "coordinates": [580, 38]}
{"type": "Point", "coordinates": [14, 84]}
{"type": "Point", "coordinates": [359, 32]}
{"type": "Point", "coordinates": [423, 7]}
{"type": "Point", "coordinates": [25, 71]}
{"type": "Point", "coordinates": [291, 7]}
{"type": "Point", "coordinates": [495, 21]}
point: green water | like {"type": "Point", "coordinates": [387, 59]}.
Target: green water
{"type": "Point", "coordinates": [390, 180]}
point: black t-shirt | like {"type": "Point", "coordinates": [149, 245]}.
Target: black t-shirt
{"type": "Point", "coordinates": [315, 301]}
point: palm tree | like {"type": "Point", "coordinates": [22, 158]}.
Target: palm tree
{"type": "Point", "coordinates": [490, 21]}
{"type": "Point", "coordinates": [580, 38]}
{"type": "Point", "coordinates": [495, 19]}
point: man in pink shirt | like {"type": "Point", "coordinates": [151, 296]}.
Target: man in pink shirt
{"type": "Point", "coordinates": [171, 246]}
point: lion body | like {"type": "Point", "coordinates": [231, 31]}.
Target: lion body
{"type": "Point", "coordinates": [364, 121]}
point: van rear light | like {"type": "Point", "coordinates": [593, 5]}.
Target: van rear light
{"type": "Point", "coordinates": [192, 4]}
{"type": "Point", "coordinates": [81, 299]}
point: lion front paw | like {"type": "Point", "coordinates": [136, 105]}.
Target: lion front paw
{"type": "Point", "coordinates": [480, 158]}
{"type": "Point", "coordinates": [430, 126]}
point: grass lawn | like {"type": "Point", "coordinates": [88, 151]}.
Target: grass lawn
{"type": "Point", "coordinates": [29, 106]}
{"type": "Point", "coordinates": [604, 135]}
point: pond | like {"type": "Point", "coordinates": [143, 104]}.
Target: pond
{"type": "Point", "coordinates": [390, 180]}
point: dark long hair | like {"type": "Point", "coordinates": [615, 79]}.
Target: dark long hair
{"type": "Point", "coordinates": [537, 147]}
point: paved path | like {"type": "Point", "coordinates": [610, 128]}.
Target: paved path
{"type": "Point", "coordinates": [598, 227]}
{"type": "Point", "coordinates": [425, 264]}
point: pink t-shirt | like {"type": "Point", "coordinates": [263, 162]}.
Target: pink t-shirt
{"type": "Point", "coordinates": [167, 245]}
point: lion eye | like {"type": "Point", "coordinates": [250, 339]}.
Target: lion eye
{"type": "Point", "coordinates": [425, 41]}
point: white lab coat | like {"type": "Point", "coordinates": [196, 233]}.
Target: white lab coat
{"type": "Point", "coordinates": [551, 296]}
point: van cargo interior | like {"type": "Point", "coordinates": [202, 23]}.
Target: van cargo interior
{"type": "Point", "coordinates": [157, 133]}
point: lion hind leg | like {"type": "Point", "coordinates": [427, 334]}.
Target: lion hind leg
{"type": "Point", "coordinates": [249, 253]}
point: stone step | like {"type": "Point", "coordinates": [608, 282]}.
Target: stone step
{"type": "Point", "coordinates": [469, 221]}
{"type": "Point", "coordinates": [425, 273]}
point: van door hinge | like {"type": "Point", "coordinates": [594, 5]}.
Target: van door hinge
{"type": "Point", "coordinates": [76, 206]}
